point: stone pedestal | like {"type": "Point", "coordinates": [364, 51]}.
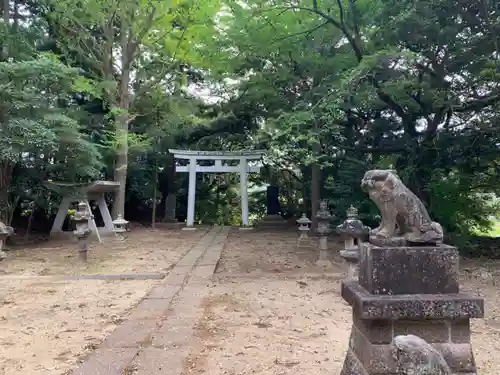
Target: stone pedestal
{"type": "Point", "coordinates": [408, 291]}
{"type": "Point", "coordinates": [351, 256]}
{"type": "Point", "coordinates": [272, 222]}
{"type": "Point", "coordinates": [323, 259]}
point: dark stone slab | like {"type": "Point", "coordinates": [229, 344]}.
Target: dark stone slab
{"type": "Point", "coordinates": [409, 270]}
{"type": "Point", "coordinates": [424, 306]}
{"type": "Point", "coordinates": [272, 200]}
{"type": "Point", "coordinates": [143, 276]}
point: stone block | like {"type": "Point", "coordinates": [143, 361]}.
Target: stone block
{"type": "Point", "coordinates": [435, 331]}
{"type": "Point", "coordinates": [151, 308]}
{"type": "Point", "coordinates": [134, 333]}
{"type": "Point", "coordinates": [424, 306]}
{"type": "Point", "coordinates": [460, 331]}
{"type": "Point", "coordinates": [175, 278]}
{"type": "Point", "coordinates": [376, 358]}
{"type": "Point", "coordinates": [106, 362]}
{"type": "Point", "coordinates": [352, 365]}
{"type": "Point", "coordinates": [202, 274]}
{"type": "Point", "coordinates": [378, 331]}
{"type": "Point", "coordinates": [210, 259]}
{"type": "Point", "coordinates": [175, 333]}
{"type": "Point", "coordinates": [409, 270]}
{"type": "Point", "coordinates": [164, 291]}
{"type": "Point", "coordinates": [155, 361]}
{"type": "Point", "coordinates": [459, 357]}
{"type": "Point", "coordinates": [371, 352]}
{"type": "Point", "coordinates": [190, 259]}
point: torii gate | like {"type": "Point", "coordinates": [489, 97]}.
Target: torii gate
{"type": "Point", "coordinates": [192, 168]}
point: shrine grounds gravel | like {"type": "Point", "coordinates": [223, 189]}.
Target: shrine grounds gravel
{"type": "Point", "coordinates": [269, 309]}
{"type": "Point", "coordinates": [272, 311]}
{"type": "Point", "coordinates": [47, 324]}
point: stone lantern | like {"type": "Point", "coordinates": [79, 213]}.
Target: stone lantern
{"type": "Point", "coordinates": [82, 231]}
{"type": "Point", "coordinates": [304, 227]}
{"type": "Point", "coordinates": [323, 216]}
{"type": "Point", "coordinates": [352, 229]}
{"type": "Point", "coordinates": [5, 231]}
{"type": "Point", "coordinates": [120, 227]}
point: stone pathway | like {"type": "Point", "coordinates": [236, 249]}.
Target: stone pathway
{"type": "Point", "coordinates": [156, 336]}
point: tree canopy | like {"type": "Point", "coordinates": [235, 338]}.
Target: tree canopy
{"type": "Point", "coordinates": [102, 89]}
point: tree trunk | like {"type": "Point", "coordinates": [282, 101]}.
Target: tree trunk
{"type": "Point", "coordinates": [120, 173]}
{"type": "Point", "coordinates": [6, 19]}
{"type": "Point", "coordinates": [315, 182]}
{"type": "Point", "coordinates": [315, 194]}
{"type": "Point", "coordinates": [6, 206]}
{"type": "Point", "coordinates": [122, 122]}
{"type": "Point", "coordinates": [153, 215]}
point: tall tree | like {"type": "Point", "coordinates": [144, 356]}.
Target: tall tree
{"type": "Point", "coordinates": [117, 39]}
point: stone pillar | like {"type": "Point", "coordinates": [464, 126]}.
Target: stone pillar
{"type": "Point", "coordinates": [170, 207]}
{"type": "Point", "coordinates": [62, 212]}
{"type": "Point", "coordinates": [351, 256]}
{"type": "Point", "coordinates": [191, 194]}
{"type": "Point", "coordinates": [408, 291]}
{"type": "Point", "coordinates": [244, 192]}
{"type": "Point", "coordinates": [106, 215]}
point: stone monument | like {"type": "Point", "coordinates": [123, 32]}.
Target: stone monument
{"type": "Point", "coordinates": [82, 232]}
{"type": "Point", "coordinates": [273, 219]}
{"type": "Point", "coordinates": [408, 285]}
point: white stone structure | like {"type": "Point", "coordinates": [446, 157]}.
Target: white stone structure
{"type": "Point", "coordinates": [84, 193]}
{"type": "Point", "coordinates": [243, 168]}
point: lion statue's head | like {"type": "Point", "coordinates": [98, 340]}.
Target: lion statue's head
{"type": "Point", "coordinates": [378, 179]}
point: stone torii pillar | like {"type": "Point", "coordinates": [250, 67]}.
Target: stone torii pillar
{"type": "Point", "coordinates": [242, 168]}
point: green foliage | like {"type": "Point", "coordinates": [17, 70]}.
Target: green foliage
{"type": "Point", "coordinates": [345, 86]}
{"type": "Point", "coordinates": [39, 125]}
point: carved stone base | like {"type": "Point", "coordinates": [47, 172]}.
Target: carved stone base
{"type": "Point", "coordinates": [272, 222]}
{"type": "Point", "coordinates": [441, 320]}
{"type": "Point", "coordinates": [408, 291]}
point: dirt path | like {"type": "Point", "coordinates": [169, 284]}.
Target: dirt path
{"type": "Point", "coordinates": [47, 325]}
{"type": "Point", "coordinates": [271, 311]}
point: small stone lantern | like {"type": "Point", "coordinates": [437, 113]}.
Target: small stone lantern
{"type": "Point", "coordinates": [5, 231]}
{"type": "Point", "coordinates": [352, 229]}
{"type": "Point", "coordinates": [304, 227]}
{"type": "Point", "coordinates": [323, 217]}
{"type": "Point", "coordinates": [82, 232]}
{"type": "Point", "coordinates": [120, 227]}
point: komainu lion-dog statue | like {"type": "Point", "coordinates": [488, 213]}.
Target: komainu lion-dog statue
{"type": "Point", "coordinates": [405, 220]}
{"type": "Point", "coordinates": [414, 356]}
